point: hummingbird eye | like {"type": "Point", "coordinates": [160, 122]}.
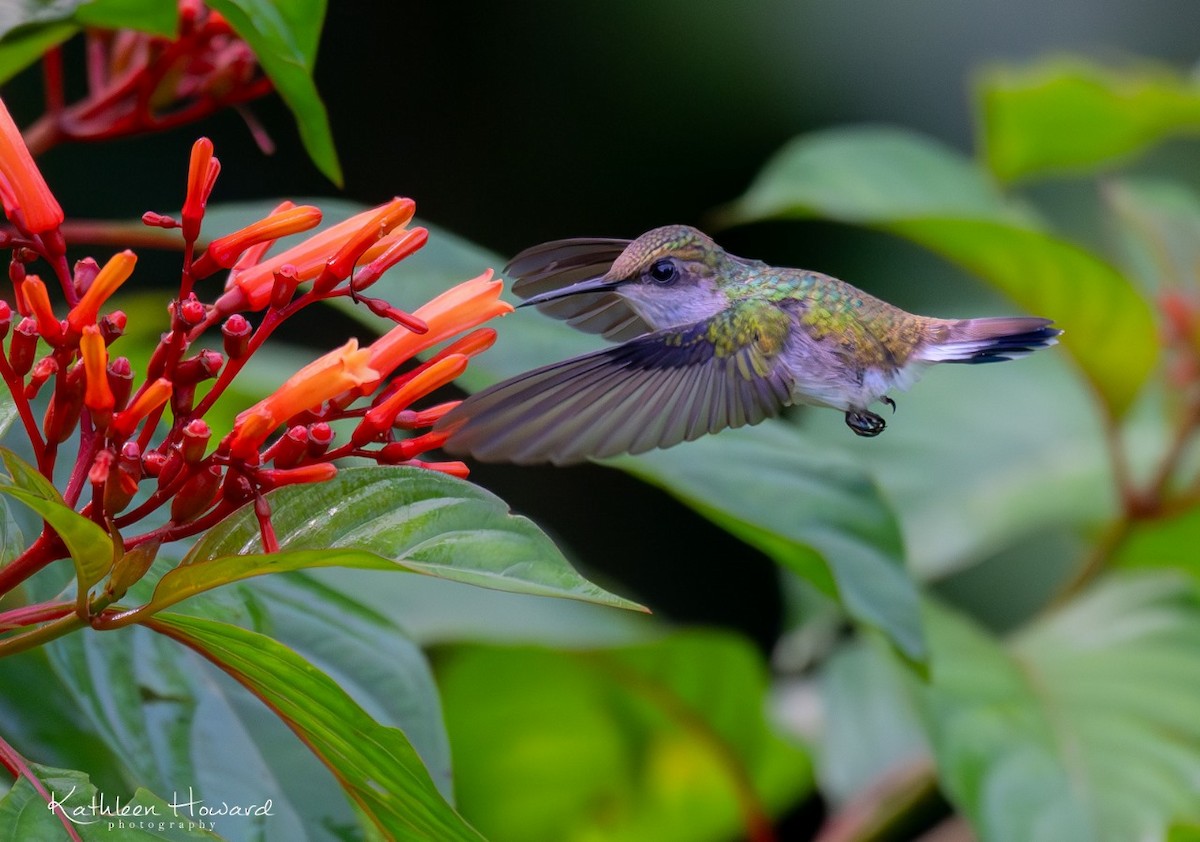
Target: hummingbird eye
{"type": "Point", "coordinates": [664, 272]}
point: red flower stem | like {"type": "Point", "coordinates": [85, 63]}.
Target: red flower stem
{"type": "Point", "coordinates": [272, 320]}
{"type": "Point", "coordinates": [12, 760]}
{"type": "Point", "coordinates": [52, 76]}
{"type": "Point", "coordinates": [135, 235]}
{"type": "Point", "coordinates": [41, 635]}
{"type": "Point", "coordinates": [43, 134]}
{"type": "Point", "coordinates": [89, 444]}
{"type": "Point", "coordinates": [176, 531]}
{"type": "Point", "coordinates": [14, 384]}
{"type": "Point", "coordinates": [46, 549]}
{"type": "Point", "coordinates": [28, 615]}
{"type": "Point", "coordinates": [150, 425]}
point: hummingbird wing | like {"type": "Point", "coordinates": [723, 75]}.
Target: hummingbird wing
{"type": "Point", "coordinates": [552, 266]}
{"type": "Point", "coordinates": [653, 391]}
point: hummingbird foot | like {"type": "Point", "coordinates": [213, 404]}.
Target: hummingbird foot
{"type": "Point", "coordinates": [889, 402]}
{"type": "Point", "coordinates": [865, 423]}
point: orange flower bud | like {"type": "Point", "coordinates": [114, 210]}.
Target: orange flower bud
{"type": "Point", "coordinates": [115, 272]}
{"type": "Point", "coordinates": [251, 288]}
{"type": "Point", "coordinates": [223, 252]}
{"type": "Point", "coordinates": [460, 308]}
{"type": "Point", "coordinates": [202, 174]}
{"type": "Point", "coordinates": [425, 380]}
{"type": "Point", "coordinates": [27, 200]}
{"type": "Point", "coordinates": [43, 313]}
{"type": "Point", "coordinates": [98, 395]}
{"type": "Point", "coordinates": [154, 396]}
{"type": "Point", "coordinates": [336, 372]}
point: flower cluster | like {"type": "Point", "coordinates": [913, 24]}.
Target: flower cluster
{"type": "Point", "coordinates": [143, 441]}
{"type": "Point", "coordinates": [138, 82]}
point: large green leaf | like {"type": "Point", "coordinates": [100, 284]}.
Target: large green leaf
{"type": "Point", "coordinates": [1086, 728]}
{"type": "Point", "coordinates": [8, 412]}
{"type": "Point", "coordinates": [1065, 114]}
{"type": "Point", "coordinates": [25, 813]}
{"type": "Point", "coordinates": [927, 193]}
{"type": "Point", "coordinates": [663, 741]}
{"type": "Point", "coordinates": [815, 513]}
{"type": "Point", "coordinates": [30, 27]}
{"type": "Point", "coordinates": [386, 519]}
{"type": "Point", "coordinates": [90, 546]}
{"type": "Point", "coordinates": [157, 712]}
{"type": "Point", "coordinates": [376, 765]}
{"type": "Point", "coordinates": [284, 35]}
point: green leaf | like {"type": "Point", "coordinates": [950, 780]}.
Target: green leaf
{"type": "Point", "coordinates": [1163, 542]}
{"type": "Point", "coordinates": [905, 185]}
{"type": "Point", "coordinates": [870, 727]}
{"type": "Point", "coordinates": [817, 514]}
{"type": "Point", "coordinates": [657, 741]}
{"type": "Point", "coordinates": [31, 27]}
{"type": "Point", "coordinates": [284, 35]}
{"type": "Point", "coordinates": [8, 412]}
{"type": "Point", "coordinates": [376, 765]}
{"type": "Point", "coordinates": [386, 519]}
{"type": "Point", "coordinates": [1068, 115]}
{"type": "Point", "coordinates": [1086, 728]}
{"type": "Point", "coordinates": [25, 814]}
{"type": "Point", "coordinates": [90, 546]}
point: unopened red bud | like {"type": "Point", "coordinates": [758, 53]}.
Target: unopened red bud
{"type": "Point", "coordinates": [203, 366]}
{"type": "Point", "coordinates": [118, 491]}
{"type": "Point", "coordinates": [236, 332]}
{"type": "Point", "coordinates": [159, 220]}
{"type": "Point", "coordinates": [196, 494]}
{"type": "Point", "coordinates": [171, 467]}
{"type": "Point", "coordinates": [86, 271]}
{"type": "Point", "coordinates": [236, 489]}
{"type": "Point", "coordinates": [288, 449]}
{"type": "Point", "coordinates": [403, 451]}
{"type": "Point", "coordinates": [158, 358]}
{"type": "Point", "coordinates": [385, 310]}
{"type": "Point", "coordinates": [112, 326]}
{"type": "Point", "coordinates": [63, 412]}
{"type": "Point", "coordinates": [16, 272]}
{"type": "Point", "coordinates": [43, 370]}
{"type": "Point", "coordinates": [120, 381]}
{"type": "Point", "coordinates": [320, 437]}
{"type": "Point", "coordinates": [153, 463]}
{"type": "Point", "coordinates": [23, 347]}
{"type": "Point", "coordinates": [192, 311]}
{"type": "Point", "coordinates": [399, 245]}
{"type": "Point", "coordinates": [196, 434]}
{"type": "Point", "coordinates": [5, 318]}
{"type": "Point", "coordinates": [130, 459]}
{"type": "Point", "coordinates": [183, 397]}
{"type": "Point", "coordinates": [284, 286]}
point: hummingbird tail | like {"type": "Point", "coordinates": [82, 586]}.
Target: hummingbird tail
{"type": "Point", "coordinates": [986, 340]}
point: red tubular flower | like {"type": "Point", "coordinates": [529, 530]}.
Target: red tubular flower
{"type": "Point", "coordinates": [379, 418]}
{"type": "Point", "coordinates": [395, 247]}
{"type": "Point", "coordinates": [223, 252]}
{"type": "Point", "coordinates": [97, 395]}
{"type": "Point", "coordinates": [275, 477]}
{"type": "Point", "coordinates": [202, 174]}
{"type": "Point", "coordinates": [107, 281]}
{"type": "Point", "coordinates": [463, 307]}
{"type": "Point", "coordinates": [28, 202]}
{"type": "Point", "coordinates": [155, 395]}
{"type": "Point", "coordinates": [250, 289]}
{"type": "Point", "coordinates": [338, 371]}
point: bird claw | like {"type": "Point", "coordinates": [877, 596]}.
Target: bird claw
{"type": "Point", "coordinates": [889, 402]}
{"type": "Point", "coordinates": [865, 423]}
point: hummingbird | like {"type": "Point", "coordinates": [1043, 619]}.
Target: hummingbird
{"type": "Point", "coordinates": [707, 340]}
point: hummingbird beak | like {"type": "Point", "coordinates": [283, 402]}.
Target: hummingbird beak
{"type": "Point", "coordinates": [592, 285]}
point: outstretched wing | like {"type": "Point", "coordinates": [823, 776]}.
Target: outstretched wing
{"type": "Point", "coordinates": [561, 263]}
{"type": "Point", "coordinates": [653, 391]}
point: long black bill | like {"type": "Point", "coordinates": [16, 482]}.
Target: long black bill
{"type": "Point", "coordinates": [600, 284]}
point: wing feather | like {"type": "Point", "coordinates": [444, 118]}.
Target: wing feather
{"type": "Point", "coordinates": [654, 391]}
{"type": "Point", "coordinates": [554, 265]}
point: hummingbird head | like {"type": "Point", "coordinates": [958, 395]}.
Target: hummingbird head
{"type": "Point", "coordinates": [670, 276]}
